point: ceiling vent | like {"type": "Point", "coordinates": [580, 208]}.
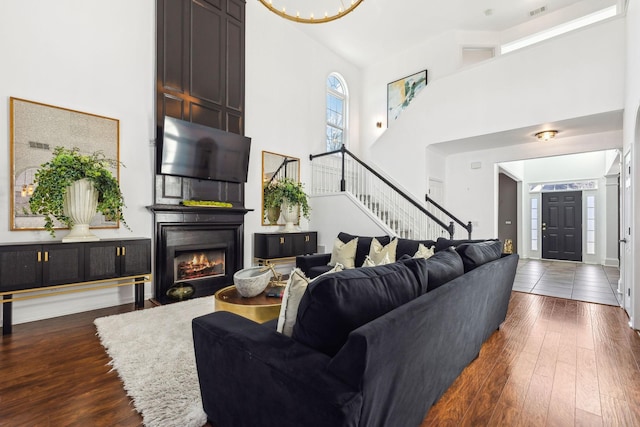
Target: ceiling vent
{"type": "Point", "coordinates": [538, 11]}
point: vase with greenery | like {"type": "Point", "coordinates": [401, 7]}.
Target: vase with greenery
{"type": "Point", "coordinates": [288, 195]}
{"type": "Point", "coordinates": [271, 201]}
{"type": "Point", "coordinates": [66, 167]}
{"type": "Point", "coordinates": [293, 193]}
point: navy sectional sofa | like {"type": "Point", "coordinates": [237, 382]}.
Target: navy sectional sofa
{"type": "Point", "coordinates": [372, 346]}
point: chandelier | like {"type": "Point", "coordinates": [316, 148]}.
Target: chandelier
{"type": "Point", "coordinates": [311, 11]}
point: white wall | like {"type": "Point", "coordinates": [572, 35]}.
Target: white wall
{"type": "Point", "coordinates": [550, 81]}
{"type": "Point", "coordinates": [286, 102]}
{"type": "Point", "coordinates": [334, 213]}
{"type": "Point", "coordinates": [95, 57]}
{"type": "Point", "coordinates": [566, 168]}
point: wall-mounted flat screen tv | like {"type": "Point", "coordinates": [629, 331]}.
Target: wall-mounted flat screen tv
{"type": "Point", "coordinates": [195, 151]}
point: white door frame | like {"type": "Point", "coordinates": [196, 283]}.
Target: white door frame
{"type": "Point", "coordinates": [625, 284]}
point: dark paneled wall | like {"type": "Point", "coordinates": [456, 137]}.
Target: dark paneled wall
{"type": "Point", "coordinates": [200, 78]}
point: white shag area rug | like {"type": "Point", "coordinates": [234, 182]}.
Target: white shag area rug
{"type": "Point", "coordinates": [152, 351]}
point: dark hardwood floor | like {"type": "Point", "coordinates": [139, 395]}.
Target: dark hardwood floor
{"type": "Point", "coordinates": [554, 362]}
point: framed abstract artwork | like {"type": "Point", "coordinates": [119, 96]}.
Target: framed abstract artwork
{"type": "Point", "coordinates": [401, 92]}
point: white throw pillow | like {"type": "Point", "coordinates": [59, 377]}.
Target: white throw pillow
{"type": "Point", "coordinates": [377, 252]}
{"type": "Point", "coordinates": [368, 262]}
{"type": "Point", "coordinates": [344, 253]}
{"type": "Point", "coordinates": [293, 292]}
{"type": "Point", "coordinates": [424, 252]}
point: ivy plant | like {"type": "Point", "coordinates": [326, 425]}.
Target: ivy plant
{"type": "Point", "coordinates": [67, 166]}
{"type": "Point", "coordinates": [279, 190]}
{"type": "Point", "coordinates": [272, 195]}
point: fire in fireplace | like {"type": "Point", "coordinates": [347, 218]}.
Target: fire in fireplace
{"type": "Point", "coordinates": [192, 265]}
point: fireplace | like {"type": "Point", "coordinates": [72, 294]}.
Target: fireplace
{"type": "Point", "coordinates": [198, 264]}
{"type": "Point", "coordinates": [200, 247]}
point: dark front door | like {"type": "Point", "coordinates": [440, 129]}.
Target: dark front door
{"type": "Point", "coordinates": [562, 225]}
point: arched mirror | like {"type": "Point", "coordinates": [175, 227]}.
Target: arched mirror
{"type": "Point", "coordinates": [276, 167]}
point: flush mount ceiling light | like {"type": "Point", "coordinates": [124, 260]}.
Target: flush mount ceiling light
{"type": "Point", "coordinates": [311, 11]}
{"type": "Point", "coordinates": [546, 135]}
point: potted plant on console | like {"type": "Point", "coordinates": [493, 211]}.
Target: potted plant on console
{"type": "Point", "coordinates": [72, 187]}
{"type": "Point", "coordinates": [272, 200]}
{"type": "Point", "coordinates": [293, 199]}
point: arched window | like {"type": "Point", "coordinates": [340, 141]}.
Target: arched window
{"type": "Point", "coordinates": [337, 100]}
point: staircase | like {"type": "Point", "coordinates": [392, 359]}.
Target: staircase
{"type": "Point", "coordinates": [340, 170]}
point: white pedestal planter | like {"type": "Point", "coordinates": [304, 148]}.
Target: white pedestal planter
{"type": "Point", "coordinates": [80, 204]}
{"type": "Point", "coordinates": [290, 214]}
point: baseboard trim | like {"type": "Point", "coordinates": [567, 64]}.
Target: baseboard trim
{"type": "Point", "coordinates": [611, 262]}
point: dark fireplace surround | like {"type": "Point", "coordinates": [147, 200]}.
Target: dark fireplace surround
{"type": "Point", "coordinates": [181, 229]}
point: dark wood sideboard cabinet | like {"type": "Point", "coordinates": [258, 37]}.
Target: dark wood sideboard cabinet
{"type": "Point", "coordinates": [71, 267]}
{"type": "Point", "coordinates": [272, 246]}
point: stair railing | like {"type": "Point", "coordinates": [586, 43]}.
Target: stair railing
{"type": "Point", "coordinates": [399, 211]}
{"type": "Point", "coordinates": [468, 226]}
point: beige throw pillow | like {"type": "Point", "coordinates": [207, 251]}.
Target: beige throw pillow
{"type": "Point", "coordinates": [293, 292]}
{"type": "Point", "coordinates": [344, 253]}
{"type": "Point", "coordinates": [424, 252]}
{"type": "Point", "coordinates": [368, 262]}
{"type": "Point", "coordinates": [377, 252]}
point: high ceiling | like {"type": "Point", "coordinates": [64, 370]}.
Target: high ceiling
{"type": "Point", "coordinates": [378, 27]}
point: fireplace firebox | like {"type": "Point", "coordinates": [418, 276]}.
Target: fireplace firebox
{"type": "Point", "coordinates": [198, 264]}
{"type": "Point", "coordinates": [200, 247]}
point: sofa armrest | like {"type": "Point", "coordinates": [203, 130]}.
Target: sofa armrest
{"type": "Point", "coordinates": [306, 262]}
{"type": "Point", "coordinates": [251, 373]}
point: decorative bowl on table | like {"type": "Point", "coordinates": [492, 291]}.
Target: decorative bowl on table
{"type": "Point", "coordinates": [252, 281]}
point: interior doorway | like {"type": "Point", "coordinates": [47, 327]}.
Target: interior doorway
{"type": "Point", "coordinates": [562, 226]}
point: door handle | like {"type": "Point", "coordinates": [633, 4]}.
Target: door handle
{"type": "Point", "coordinates": [623, 240]}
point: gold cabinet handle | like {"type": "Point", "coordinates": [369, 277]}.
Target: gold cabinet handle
{"type": "Point", "coordinates": [39, 256]}
{"type": "Point", "coordinates": [46, 256]}
{"type": "Point", "coordinates": [282, 240]}
{"type": "Point", "coordinates": [124, 251]}
{"type": "Point", "coordinates": [118, 251]}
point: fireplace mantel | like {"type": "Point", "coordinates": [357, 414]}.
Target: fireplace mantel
{"type": "Point", "coordinates": [178, 226]}
{"type": "Point", "coordinates": [197, 209]}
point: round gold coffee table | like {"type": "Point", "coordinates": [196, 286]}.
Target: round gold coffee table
{"type": "Point", "coordinates": [259, 308]}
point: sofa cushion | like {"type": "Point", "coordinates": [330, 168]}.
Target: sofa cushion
{"type": "Point", "coordinates": [443, 267]}
{"type": "Point", "coordinates": [443, 243]}
{"type": "Point", "coordinates": [338, 303]}
{"type": "Point", "coordinates": [475, 254]}
{"type": "Point", "coordinates": [364, 245]}
{"type": "Point", "coordinates": [317, 270]}
{"type": "Point", "coordinates": [344, 253]}
{"type": "Point", "coordinates": [379, 252]}
{"type": "Point", "coordinates": [293, 292]}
